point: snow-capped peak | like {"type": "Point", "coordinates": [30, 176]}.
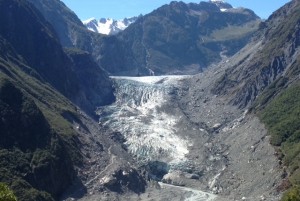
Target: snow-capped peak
{"type": "Point", "coordinates": [108, 26]}
{"type": "Point", "coordinates": [89, 20]}
{"type": "Point", "coordinates": [223, 6]}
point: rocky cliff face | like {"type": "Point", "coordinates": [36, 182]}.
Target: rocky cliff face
{"type": "Point", "coordinates": [95, 88]}
{"type": "Point", "coordinates": [277, 43]}
{"type": "Point", "coordinates": [70, 30]}
{"type": "Point", "coordinates": [64, 21]}
{"type": "Point", "coordinates": [33, 42]}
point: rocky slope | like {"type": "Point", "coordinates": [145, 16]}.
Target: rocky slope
{"type": "Point", "coordinates": [94, 88]}
{"type": "Point", "coordinates": [277, 43]}
{"type": "Point", "coordinates": [267, 80]}
{"type": "Point", "coordinates": [70, 30]}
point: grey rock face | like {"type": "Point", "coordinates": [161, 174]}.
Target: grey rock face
{"type": "Point", "coordinates": [277, 50]}
{"type": "Point", "coordinates": [95, 87]}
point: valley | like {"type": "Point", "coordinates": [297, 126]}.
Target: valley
{"type": "Point", "coordinates": [82, 116]}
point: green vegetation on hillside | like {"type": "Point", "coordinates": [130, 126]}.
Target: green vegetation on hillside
{"type": "Point", "coordinates": [38, 145]}
{"type": "Point", "coordinates": [281, 116]}
{"type": "Point", "coordinates": [292, 194]}
{"type": "Point", "coordinates": [6, 194]}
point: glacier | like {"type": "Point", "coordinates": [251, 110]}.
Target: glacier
{"type": "Point", "coordinates": [139, 115]}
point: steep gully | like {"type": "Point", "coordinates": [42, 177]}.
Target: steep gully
{"type": "Point", "coordinates": [185, 136]}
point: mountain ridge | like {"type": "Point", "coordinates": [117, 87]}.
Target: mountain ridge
{"type": "Point", "coordinates": [148, 52]}
{"type": "Point", "coordinates": [162, 34]}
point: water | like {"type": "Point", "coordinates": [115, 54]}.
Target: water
{"type": "Point", "coordinates": [191, 194]}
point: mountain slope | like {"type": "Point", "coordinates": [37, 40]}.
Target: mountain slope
{"type": "Point", "coordinates": [63, 23]}
{"type": "Point", "coordinates": [267, 80]}
{"type": "Point", "coordinates": [95, 88]}
{"type": "Point", "coordinates": [70, 30]}
{"type": "Point", "coordinates": [32, 142]}
{"type": "Point", "coordinates": [33, 41]}
{"type": "Point", "coordinates": [277, 43]}
{"type": "Point", "coordinates": [41, 146]}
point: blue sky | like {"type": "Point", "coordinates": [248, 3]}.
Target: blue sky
{"type": "Point", "coordinates": [118, 9]}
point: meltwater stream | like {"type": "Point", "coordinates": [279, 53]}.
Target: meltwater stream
{"type": "Point", "coordinates": [145, 115]}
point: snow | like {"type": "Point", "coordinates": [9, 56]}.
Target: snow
{"type": "Point", "coordinates": [149, 131]}
{"type": "Point", "coordinates": [105, 28]}
{"type": "Point", "coordinates": [108, 26]}
{"type": "Point", "coordinates": [88, 20]}
{"type": "Point", "coordinates": [223, 9]}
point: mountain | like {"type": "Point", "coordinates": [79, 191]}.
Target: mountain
{"type": "Point", "coordinates": [177, 38]}
{"type": "Point", "coordinates": [108, 26]}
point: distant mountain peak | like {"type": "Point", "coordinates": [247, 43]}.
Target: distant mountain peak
{"type": "Point", "coordinates": [108, 26]}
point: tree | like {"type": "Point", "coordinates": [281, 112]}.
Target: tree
{"type": "Point", "coordinates": [292, 195]}
{"type": "Point", "coordinates": [6, 194]}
